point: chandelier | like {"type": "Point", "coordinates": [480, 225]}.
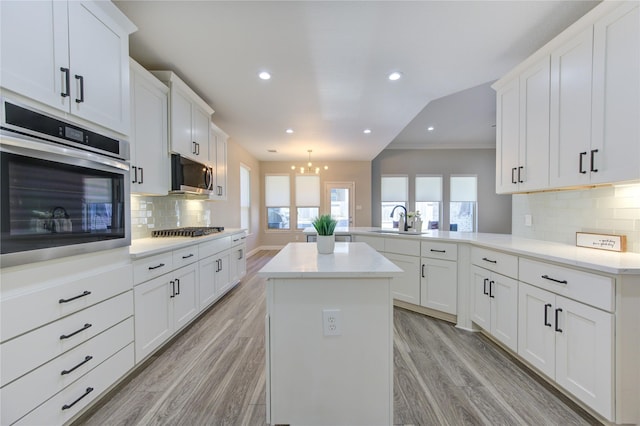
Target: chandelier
{"type": "Point", "coordinates": [309, 168]}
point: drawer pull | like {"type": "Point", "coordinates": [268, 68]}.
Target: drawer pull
{"type": "Point", "coordinates": [491, 283]}
{"type": "Point", "coordinates": [486, 280]}
{"type": "Point", "coordinates": [558, 329]}
{"type": "Point", "coordinates": [66, 336]}
{"type": "Point", "coordinates": [86, 360]}
{"type": "Point", "coordinates": [151, 268]}
{"type": "Point", "coordinates": [188, 256]}
{"type": "Point", "coordinates": [547, 277]}
{"type": "Point", "coordinates": [489, 260]}
{"type": "Point", "coordinates": [546, 312]}
{"type": "Point", "coordinates": [84, 293]}
{"type": "Point", "coordinates": [87, 392]}
{"type": "Point", "coordinates": [438, 251]}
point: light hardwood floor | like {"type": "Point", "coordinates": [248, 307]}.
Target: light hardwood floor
{"type": "Point", "coordinates": [213, 373]}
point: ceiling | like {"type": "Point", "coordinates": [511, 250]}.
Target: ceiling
{"type": "Point", "coordinates": [329, 62]}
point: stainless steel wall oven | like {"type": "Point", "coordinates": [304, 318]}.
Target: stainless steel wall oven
{"type": "Point", "coordinates": [64, 189]}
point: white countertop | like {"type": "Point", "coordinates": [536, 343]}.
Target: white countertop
{"type": "Point", "coordinates": [597, 260]}
{"type": "Point", "coordinates": [356, 260]}
{"type": "Point", "coordinates": [144, 247]}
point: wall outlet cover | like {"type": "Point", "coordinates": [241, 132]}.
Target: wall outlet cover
{"type": "Point", "coordinates": [332, 322]}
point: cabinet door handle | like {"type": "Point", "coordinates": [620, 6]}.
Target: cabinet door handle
{"type": "Point", "coordinates": [491, 283]}
{"type": "Point", "coordinates": [141, 174]}
{"type": "Point", "coordinates": [178, 285]}
{"type": "Point", "coordinates": [513, 175]}
{"type": "Point", "coordinates": [593, 153]}
{"type": "Point", "coordinates": [197, 148]}
{"type": "Point", "coordinates": [422, 271]}
{"type": "Point", "coordinates": [135, 174]}
{"type": "Point", "coordinates": [241, 255]}
{"type": "Point", "coordinates": [66, 336]}
{"type": "Point", "coordinates": [547, 277]}
{"type": "Point", "coordinates": [438, 251]}
{"type": "Point", "coordinates": [484, 289]}
{"type": "Point", "coordinates": [87, 392]}
{"type": "Point", "coordinates": [520, 169]}
{"type": "Point", "coordinates": [81, 80]}
{"type": "Point", "coordinates": [489, 260]}
{"type": "Point", "coordinates": [83, 362]}
{"type": "Point", "coordinates": [546, 313]}
{"type": "Point", "coordinates": [84, 293]}
{"type": "Point", "coordinates": [173, 289]}
{"type": "Point", "coordinates": [580, 165]}
{"type": "Point", "coordinates": [558, 329]}
{"type": "Point", "coordinates": [156, 267]}
{"type": "Point", "coordinates": [67, 82]}
{"type": "Point", "coordinates": [219, 190]}
{"type": "Point", "coordinates": [193, 149]}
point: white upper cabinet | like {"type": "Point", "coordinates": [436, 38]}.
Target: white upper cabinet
{"type": "Point", "coordinates": [149, 133]}
{"type": "Point", "coordinates": [71, 56]}
{"type": "Point", "coordinates": [190, 118]}
{"type": "Point", "coordinates": [616, 95]}
{"type": "Point", "coordinates": [522, 135]}
{"type": "Point", "coordinates": [218, 158]}
{"type": "Point", "coordinates": [571, 111]}
{"type": "Point", "coordinates": [568, 115]}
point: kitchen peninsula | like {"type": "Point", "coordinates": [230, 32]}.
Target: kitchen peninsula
{"type": "Point", "coordinates": [329, 336]}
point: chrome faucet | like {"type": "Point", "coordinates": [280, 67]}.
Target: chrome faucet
{"type": "Point", "coordinates": [406, 226]}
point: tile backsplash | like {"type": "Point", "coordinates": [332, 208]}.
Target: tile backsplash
{"type": "Point", "coordinates": [150, 213]}
{"type": "Point", "coordinates": [557, 216]}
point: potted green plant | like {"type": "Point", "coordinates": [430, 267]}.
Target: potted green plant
{"type": "Point", "coordinates": [325, 225]}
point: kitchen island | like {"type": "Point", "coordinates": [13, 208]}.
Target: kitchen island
{"type": "Point", "coordinates": [329, 336]}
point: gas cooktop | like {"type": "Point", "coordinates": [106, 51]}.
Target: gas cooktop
{"type": "Point", "coordinates": [197, 231]}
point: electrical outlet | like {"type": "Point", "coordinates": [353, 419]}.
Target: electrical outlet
{"type": "Point", "coordinates": [528, 220]}
{"type": "Point", "coordinates": [332, 322]}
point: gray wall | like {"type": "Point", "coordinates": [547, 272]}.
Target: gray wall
{"type": "Point", "coordinates": [494, 211]}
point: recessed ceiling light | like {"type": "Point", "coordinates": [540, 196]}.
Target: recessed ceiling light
{"type": "Point", "coordinates": [289, 131]}
{"type": "Point", "coordinates": [366, 131]}
{"type": "Point", "coordinates": [272, 151]}
{"type": "Point", "coordinates": [264, 75]}
{"type": "Point", "coordinates": [430, 128]}
{"type": "Point", "coordinates": [395, 76]}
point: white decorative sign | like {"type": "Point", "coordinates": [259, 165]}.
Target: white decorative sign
{"type": "Point", "coordinates": [601, 241]}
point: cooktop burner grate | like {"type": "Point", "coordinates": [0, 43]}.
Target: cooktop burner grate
{"type": "Point", "coordinates": [187, 232]}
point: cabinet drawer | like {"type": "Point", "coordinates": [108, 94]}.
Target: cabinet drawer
{"type": "Point", "coordinates": [402, 246]}
{"type": "Point", "coordinates": [93, 385]}
{"type": "Point", "coordinates": [26, 393]}
{"type": "Point", "coordinates": [24, 353]}
{"type": "Point", "coordinates": [239, 238]}
{"type": "Point", "coordinates": [502, 263]}
{"type": "Point", "coordinates": [377, 243]}
{"type": "Point", "coordinates": [592, 289]}
{"type": "Point", "coordinates": [185, 256]}
{"type": "Point", "coordinates": [151, 267]}
{"type": "Point", "coordinates": [439, 250]}
{"type": "Point", "coordinates": [58, 300]}
{"type": "Point", "coordinates": [212, 247]}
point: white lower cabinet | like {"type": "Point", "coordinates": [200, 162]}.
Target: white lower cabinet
{"type": "Point", "coordinates": [215, 270]}
{"type": "Point", "coordinates": [570, 342]}
{"type": "Point", "coordinates": [238, 256]}
{"type": "Point", "coordinates": [439, 277]}
{"type": "Point", "coordinates": [406, 287]}
{"type": "Point", "coordinates": [163, 305]}
{"type": "Point", "coordinates": [495, 305]}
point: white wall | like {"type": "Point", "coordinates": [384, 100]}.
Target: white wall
{"type": "Point", "coordinates": [557, 216]}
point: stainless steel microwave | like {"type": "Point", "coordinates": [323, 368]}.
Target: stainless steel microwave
{"type": "Point", "coordinates": [190, 177]}
{"type": "Point", "coordinates": [64, 189]}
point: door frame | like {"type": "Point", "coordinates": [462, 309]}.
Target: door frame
{"type": "Point", "coordinates": [351, 186]}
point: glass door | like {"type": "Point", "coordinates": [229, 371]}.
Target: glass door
{"type": "Point", "coordinates": [339, 198]}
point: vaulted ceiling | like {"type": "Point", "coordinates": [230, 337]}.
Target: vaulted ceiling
{"type": "Point", "coordinates": [329, 62]}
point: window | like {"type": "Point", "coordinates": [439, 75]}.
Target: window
{"type": "Point", "coordinates": [277, 201]}
{"type": "Point", "coordinates": [429, 200]}
{"type": "Point", "coordinates": [462, 206]}
{"type": "Point", "coordinates": [307, 199]}
{"type": "Point", "coordinates": [394, 192]}
{"type": "Point", "coordinates": [245, 197]}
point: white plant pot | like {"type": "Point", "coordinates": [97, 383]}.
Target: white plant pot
{"type": "Point", "coordinates": [326, 244]}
